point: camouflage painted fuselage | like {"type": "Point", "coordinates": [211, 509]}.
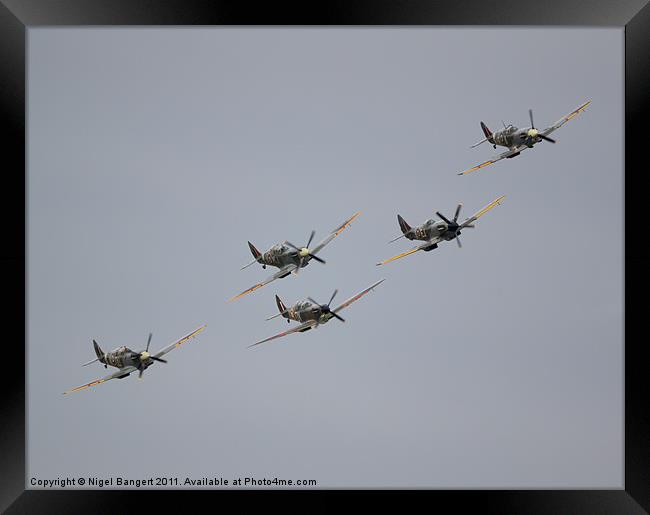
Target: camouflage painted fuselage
{"type": "Point", "coordinates": [124, 357]}
{"type": "Point", "coordinates": [303, 311]}
{"type": "Point", "coordinates": [513, 137]}
{"type": "Point", "coordinates": [280, 255]}
{"type": "Point", "coordinates": [432, 229]}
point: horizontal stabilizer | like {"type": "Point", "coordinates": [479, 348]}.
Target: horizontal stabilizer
{"type": "Point", "coordinates": [478, 143]}
{"type": "Point", "coordinates": [249, 264]}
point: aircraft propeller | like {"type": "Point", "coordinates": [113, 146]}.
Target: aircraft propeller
{"type": "Point", "coordinates": [305, 252]}
{"type": "Point", "coordinates": [325, 308]}
{"type": "Point", "coordinates": [533, 132]}
{"type": "Point", "coordinates": [143, 356]}
{"type": "Point", "coordinates": [453, 225]}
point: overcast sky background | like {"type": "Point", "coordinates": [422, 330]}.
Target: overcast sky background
{"type": "Point", "coordinates": [154, 154]}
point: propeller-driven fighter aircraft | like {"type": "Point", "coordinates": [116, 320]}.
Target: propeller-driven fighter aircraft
{"type": "Point", "coordinates": [520, 139]}
{"type": "Point", "coordinates": [311, 314]}
{"type": "Point", "coordinates": [288, 257]}
{"type": "Point", "coordinates": [127, 361]}
{"type": "Point", "coordinates": [433, 232]}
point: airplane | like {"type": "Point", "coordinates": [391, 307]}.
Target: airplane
{"type": "Point", "coordinates": [288, 257]}
{"type": "Point", "coordinates": [311, 314]}
{"type": "Point", "coordinates": [433, 232]}
{"type": "Point", "coordinates": [128, 361]}
{"type": "Point", "coordinates": [518, 140]}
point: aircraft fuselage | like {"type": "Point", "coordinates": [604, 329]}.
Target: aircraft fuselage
{"type": "Point", "coordinates": [513, 137]}
{"type": "Point", "coordinates": [432, 229]}
{"type": "Point", "coordinates": [124, 357]}
{"type": "Point", "coordinates": [305, 310]}
{"type": "Point", "coordinates": [281, 255]}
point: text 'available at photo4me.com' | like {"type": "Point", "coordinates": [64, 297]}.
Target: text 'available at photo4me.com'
{"type": "Point", "coordinates": [169, 481]}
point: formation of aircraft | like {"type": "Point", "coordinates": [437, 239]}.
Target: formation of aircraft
{"type": "Point", "coordinates": [311, 313]}
{"type": "Point", "coordinates": [128, 361]}
{"type": "Point", "coordinates": [433, 231]}
{"type": "Point", "coordinates": [289, 258]}
{"type": "Point", "coordinates": [517, 140]}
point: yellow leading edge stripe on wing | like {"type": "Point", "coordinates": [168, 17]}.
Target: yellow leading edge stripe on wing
{"type": "Point", "coordinates": [578, 111]}
{"type": "Point", "coordinates": [190, 336]}
{"type": "Point", "coordinates": [245, 292]}
{"type": "Point", "coordinates": [347, 223]}
{"type": "Point", "coordinates": [94, 383]}
{"type": "Point", "coordinates": [477, 167]}
{"type": "Point", "coordinates": [491, 205]}
{"type": "Point", "coordinates": [398, 256]}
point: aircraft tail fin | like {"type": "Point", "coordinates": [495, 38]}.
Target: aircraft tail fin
{"type": "Point", "coordinates": [99, 352]}
{"type": "Point", "coordinates": [407, 231]}
{"type": "Point", "coordinates": [403, 225]}
{"type": "Point", "coordinates": [281, 308]}
{"type": "Point", "coordinates": [488, 136]}
{"type": "Point", "coordinates": [256, 254]}
{"type": "Point", "coordinates": [486, 131]}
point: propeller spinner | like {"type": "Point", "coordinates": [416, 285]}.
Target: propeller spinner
{"type": "Point", "coordinates": [453, 225]}
{"type": "Point", "coordinates": [144, 356]}
{"type": "Point", "coordinates": [325, 308]}
{"type": "Point", "coordinates": [533, 132]}
{"type": "Point", "coordinates": [304, 252]}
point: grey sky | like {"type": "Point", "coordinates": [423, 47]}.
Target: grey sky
{"type": "Point", "coordinates": [154, 154]}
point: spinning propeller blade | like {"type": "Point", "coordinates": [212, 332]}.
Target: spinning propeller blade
{"type": "Point", "coordinates": [332, 297]}
{"type": "Point", "coordinates": [311, 237]}
{"type": "Point", "coordinates": [442, 217]}
{"type": "Point", "coordinates": [457, 213]}
{"type": "Point", "coordinates": [325, 308]}
{"type": "Point", "coordinates": [304, 252]}
{"type": "Point", "coordinates": [535, 133]}
{"type": "Point", "coordinates": [144, 356]}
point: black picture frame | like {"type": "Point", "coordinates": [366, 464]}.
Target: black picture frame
{"type": "Point", "coordinates": [18, 15]}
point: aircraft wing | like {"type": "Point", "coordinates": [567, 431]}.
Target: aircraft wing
{"type": "Point", "coordinates": [120, 372]}
{"type": "Point", "coordinates": [480, 213]}
{"type": "Point", "coordinates": [280, 273]}
{"type": "Point", "coordinates": [357, 296]}
{"type": "Point", "coordinates": [565, 119]}
{"type": "Point", "coordinates": [335, 233]}
{"type": "Point", "coordinates": [178, 343]}
{"type": "Point", "coordinates": [422, 246]}
{"type": "Point", "coordinates": [503, 155]}
{"type": "Point", "coordinates": [302, 327]}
